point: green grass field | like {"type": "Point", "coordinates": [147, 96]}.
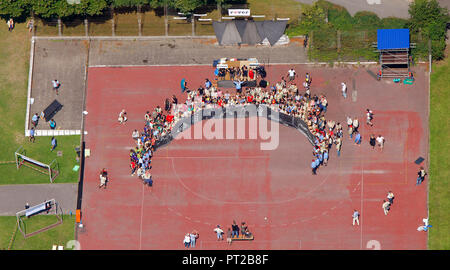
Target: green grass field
{"type": "Point", "coordinates": [59, 235]}
{"type": "Point", "coordinates": [15, 51]}
{"type": "Point", "coordinates": [439, 172]}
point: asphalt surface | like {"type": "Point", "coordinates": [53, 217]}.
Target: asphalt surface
{"type": "Point", "coordinates": [14, 197]}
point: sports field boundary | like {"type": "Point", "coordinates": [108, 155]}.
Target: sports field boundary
{"type": "Point", "coordinates": [30, 80]}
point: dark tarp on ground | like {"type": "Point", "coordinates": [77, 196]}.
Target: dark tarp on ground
{"type": "Point", "coordinates": [251, 35]}
{"type": "Point", "coordinates": [248, 32]}
{"type": "Point", "coordinates": [239, 111]}
{"type": "Point", "coordinates": [230, 84]}
{"type": "Point", "coordinates": [219, 29]}
{"type": "Point", "coordinates": [231, 35]}
{"type": "Point", "coordinates": [274, 30]}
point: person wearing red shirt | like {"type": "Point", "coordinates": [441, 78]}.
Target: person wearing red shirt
{"type": "Point", "coordinates": [251, 74]}
{"type": "Point", "coordinates": [133, 167]}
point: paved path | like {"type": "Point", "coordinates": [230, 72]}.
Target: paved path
{"type": "Point", "coordinates": [385, 8]}
{"type": "Point", "coordinates": [14, 197]}
{"type": "Point", "coordinates": [177, 51]}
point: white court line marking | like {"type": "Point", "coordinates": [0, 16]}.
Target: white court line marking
{"type": "Point", "coordinates": [142, 218]}
{"type": "Point", "coordinates": [267, 203]}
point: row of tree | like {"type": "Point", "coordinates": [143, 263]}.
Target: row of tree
{"type": "Point", "coordinates": [67, 8]}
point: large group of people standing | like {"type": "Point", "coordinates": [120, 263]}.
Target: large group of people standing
{"type": "Point", "coordinates": [284, 97]}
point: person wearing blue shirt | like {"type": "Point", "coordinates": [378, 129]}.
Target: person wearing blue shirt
{"type": "Point", "coordinates": [53, 143]}
{"type": "Point", "coordinates": [183, 85]}
{"type": "Point", "coordinates": [52, 124]}
{"type": "Point", "coordinates": [317, 163]}
{"type": "Point", "coordinates": [35, 119]}
{"type": "Point", "coordinates": [313, 167]}
{"type": "Point", "coordinates": [208, 84]}
{"type": "Point", "coordinates": [238, 86]}
{"type": "Point", "coordinates": [358, 139]}
{"type": "Point", "coordinates": [320, 156]}
{"type": "Point", "coordinates": [325, 158]}
{"type": "Point", "coordinates": [32, 135]}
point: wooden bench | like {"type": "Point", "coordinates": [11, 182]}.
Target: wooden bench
{"type": "Point", "coordinates": [242, 238]}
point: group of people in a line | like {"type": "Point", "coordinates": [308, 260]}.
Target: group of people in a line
{"type": "Point", "coordinates": [235, 232]}
{"type": "Point", "coordinates": [243, 73]}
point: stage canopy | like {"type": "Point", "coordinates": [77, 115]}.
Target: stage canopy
{"type": "Point", "coordinates": [248, 32]}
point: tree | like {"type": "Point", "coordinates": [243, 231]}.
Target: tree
{"type": "Point", "coordinates": [312, 17]}
{"type": "Point", "coordinates": [14, 8]}
{"type": "Point", "coordinates": [429, 17]}
{"type": "Point", "coordinates": [431, 20]}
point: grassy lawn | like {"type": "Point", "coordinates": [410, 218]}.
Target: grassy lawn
{"type": "Point", "coordinates": [59, 235]}
{"type": "Point", "coordinates": [13, 95]}
{"type": "Point", "coordinates": [439, 202]}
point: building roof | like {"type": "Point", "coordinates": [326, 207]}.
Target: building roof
{"type": "Point", "coordinates": [389, 39]}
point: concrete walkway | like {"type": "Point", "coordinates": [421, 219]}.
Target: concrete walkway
{"type": "Point", "coordinates": [383, 8]}
{"type": "Point", "coordinates": [14, 197]}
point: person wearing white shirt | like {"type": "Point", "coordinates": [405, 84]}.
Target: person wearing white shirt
{"type": "Point", "coordinates": [291, 74]}
{"type": "Point", "coordinates": [355, 217]}
{"type": "Point", "coordinates": [380, 141]}
{"type": "Point", "coordinates": [344, 89]}
{"type": "Point", "coordinates": [187, 240]}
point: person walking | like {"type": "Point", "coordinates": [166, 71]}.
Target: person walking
{"type": "Point", "coordinates": [380, 141]}
{"type": "Point", "coordinates": [122, 117]}
{"type": "Point", "coordinates": [192, 238]}
{"type": "Point", "coordinates": [355, 124]}
{"type": "Point", "coordinates": [183, 85]}
{"type": "Point", "coordinates": [386, 207]}
{"type": "Point", "coordinates": [35, 120]}
{"type": "Point", "coordinates": [344, 89]}
{"type": "Point", "coordinates": [10, 24]}
{"type": "Point", "coordinates": [355, 217]}
{"type": "Point", "coordinates": [103, 178]}
{"type": "Point", "coordinates": [235, 229]}
{"type": "Point", "coordinates": [369, 115]}
{"type": "Point", "coordinates": [325, 157]}
{"type": "Point", "coordinates": [32, 138]}
{"type": "Point", "coordinates": [338, 146]}
{"type": "Point", "coordinates": [390, 197]}
{"type": "Point", "coordinates": [291, 74]}
{"type": "Point", "coordinates": [358, 139]}
{"type": "Point", "coordinates": [187, 240]}
{"type": "Point", "coordinates": [30, 25]}
{"type": "Point", "coordinates": [53, 144]}
{"type": "Point", "coordinates": [56, 84]}
{"type": "Point", "coordinates": [372, 141]}
{"type": "Point", "coordinates": [219, 233]}
{"type": "Point", "coordinates": [420, 176]}
{"type": "Point", "coordinates": [313, 167]}
{"type": "Point", "coordinates": [229, 235]}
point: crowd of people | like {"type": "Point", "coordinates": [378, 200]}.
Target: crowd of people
{"type": "Point", "coordinates": [284, 97]}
